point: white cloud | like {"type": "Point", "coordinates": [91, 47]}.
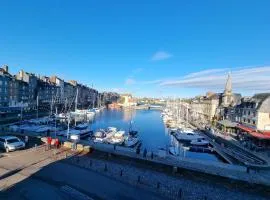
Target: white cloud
{"type": "Point", "coordinates": [161, 55]}
{"type": "Point", "coordinates": [255, 79]}
{"type": "Point", "coordinates": [130, 81]}
{"type": "Point", "coordinates": [137, 70]}
{"type": "Point", "coordinates": [205, 72]}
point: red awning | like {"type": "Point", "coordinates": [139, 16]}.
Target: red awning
{"type": "Point", "coordinates": [254, 133]}
{"type": "Point", "coordinates": [260, 135]}
{"type": "Point", "coordinates": [245, 128]}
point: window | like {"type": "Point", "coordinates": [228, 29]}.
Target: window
{"type": "Point", "coordinates": [244, 120]}
{"type": "Point", "coordinates": [254, 123]}
{"type": "Point", "coordinates": [248, 120]}
{"type": "Point", "coordinates": [248, 112]}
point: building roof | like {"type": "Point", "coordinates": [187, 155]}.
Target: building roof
{"type": "Point", "coordinates": [228, 86]}
{"type": "Point", "coordinates": [227, 123]}
{"type": "Point", "coordinates": [263, 100]}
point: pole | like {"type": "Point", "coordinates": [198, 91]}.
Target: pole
{"type": "Point", "coordinates": [21, 112]}
{"type": "Point", "coordinates": [37, 106]}
{"type": "Point", "coordinates": [68, 127]}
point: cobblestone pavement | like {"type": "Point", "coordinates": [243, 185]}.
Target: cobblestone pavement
{"type": "Point", "coordinates": [168, 186]}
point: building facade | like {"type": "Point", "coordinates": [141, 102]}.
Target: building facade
{"type": "Point", "coordinates": [254, 112]}
{"type": "Point", "coordinates": [4, 86]}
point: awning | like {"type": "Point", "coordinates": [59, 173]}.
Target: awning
{"type": "Point", "coordinates": [252, 132]}
{"type": "Point", "coordinates": [260, 135]}
{"type": "Point", "coordinates": [245, 128]}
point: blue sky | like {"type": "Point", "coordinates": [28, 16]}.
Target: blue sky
{"type": "Point", "coordinates": [148, 48]}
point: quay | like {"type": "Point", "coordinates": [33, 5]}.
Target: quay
{"type": "Point", "coordinates": [230, 171]}
{"type": "Point", "coordinates": [235, 172]}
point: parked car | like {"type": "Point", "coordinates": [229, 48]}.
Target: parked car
{"type": "Point", "coordinates": [11, 143]}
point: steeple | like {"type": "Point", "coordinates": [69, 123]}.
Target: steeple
{"type": "Point", "coordinates": [228, 86]}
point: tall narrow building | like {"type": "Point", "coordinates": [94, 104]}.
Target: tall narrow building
{"type": "Point", "coordinates": [227, 97]}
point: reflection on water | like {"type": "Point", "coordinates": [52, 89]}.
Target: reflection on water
{"type": "Point", "coordinates": [151, 129]}
{"type": "Point", "coordinates": [147, 122]}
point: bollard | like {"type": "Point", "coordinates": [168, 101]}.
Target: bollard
{"type": "Point", "coordinates": [180, 194]}
{"type": "Point", "coordinates": [158, 185]}
{"type": "Point", "coordinates": [90, 163]}
{"type": "Point", "coordinates": [139, 179]}
{"type": "Point", "coordinates": [121, 172]}
{"type": "Point", "coordinates": [144, 153]}
{"type": "Point", "coordinates": [247, 169]}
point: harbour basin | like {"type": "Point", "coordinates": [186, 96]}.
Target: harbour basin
{"type": "Point", "coordinates": [151, 129]}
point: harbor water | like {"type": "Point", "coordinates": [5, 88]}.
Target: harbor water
{"type": "Point", "coordinates": [150, 127]}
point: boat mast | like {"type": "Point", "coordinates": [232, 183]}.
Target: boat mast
{"type": "Point", "coordinates": [68, 127]}
{"type": "Point", "coordinates": [76, 100]}
{"type": "Point", "coordinates": [51, 105]}
{"type": "Point", "coordinates": [37, 106]}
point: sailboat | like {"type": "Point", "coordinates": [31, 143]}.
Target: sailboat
{"type": "Point", "coordinates": [131, 139]}
{"type": "Point", "coordinates": [83, 113]}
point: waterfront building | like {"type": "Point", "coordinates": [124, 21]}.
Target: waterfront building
{"type": "Point", "coordinates": [24, 89]}
{"type": "Point", "coordinates": [4, 86]}
{"type": "Point", "coordinates": [47, 91]}
{"type": "Point", "coordinates": [18, 93]}
{"type": "Point", "coordinates": [31, 80]}
{"type": "Point", "coordinates": [69, 94]}
{"type": "Point", "coordinates": [60, 93]}
{"type": "Point", "coordinates": [204, 108]}
{"type": "Point", "coordinates": [253, 118]}
{"type": "Point", "coordinates": [254, 112]}
{"type": "Point", "coordinates": [109, 97]}
{"type": "Point", "coordinates": [126, 100]}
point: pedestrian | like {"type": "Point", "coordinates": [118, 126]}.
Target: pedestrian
{"type": "Point", "coordinates": [56, 143]}
{"type": "Point", "coordinates": [138, 150]}
{"type": "Point", "coordinates": [144, 153]}
{"type": "Point", "coordinates": [26, 139]}
{"type": "Point", "coordinates": [48, 133]}
{"type": "Point", "coordinates": [49, 143]}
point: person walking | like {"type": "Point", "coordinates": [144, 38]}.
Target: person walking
{"type": "Point", "coordinates": [26, 139]}
{"type": "Point", "coordinates": [56, 143]}
{"type": "Point", "coordinates": [49, 143]}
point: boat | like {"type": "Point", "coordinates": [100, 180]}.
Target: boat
{"type": "Point", "coordinates": [173, 151]}
{"type": "Point", "coordinates": [90, 114]}
{"type": "Point", "coordinates": [80, 131]}
{"type": "Point", "coordinates": [187, 136]}
{"type": "Point", "coordinates": [43, 129]}
{"type": "Point", "coordinates": [200, 142]}
{"type": "Point", "coordinates": [111, 129]}
{"type": "Point", "coordinates": [82, 126]}
{"type": "Point", "coordinates": [96, 110]}
{"type": "Point", "coordinates": [99, 136]}
{"type": "Point", "coordinates": [131, 141]}
{"type": "Point", "coordinates": [117, 138]}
